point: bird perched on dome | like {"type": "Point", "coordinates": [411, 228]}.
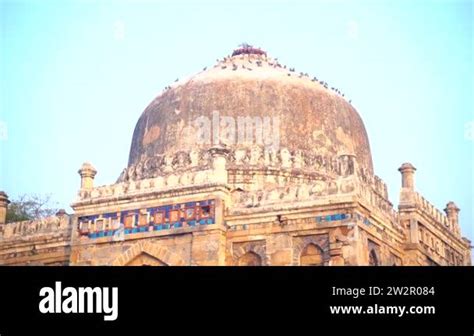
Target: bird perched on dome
{"type": "Point", "coordinates": [255, 92]}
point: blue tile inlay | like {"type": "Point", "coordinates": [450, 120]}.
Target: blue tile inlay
{"type": "Point", "coordinates": [330, 218]}
{"type": "Point", "coordinates": [187, 214]}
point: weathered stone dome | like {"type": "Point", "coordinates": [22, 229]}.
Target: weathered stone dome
{"type": "Point", "coordinates": [313, 118]}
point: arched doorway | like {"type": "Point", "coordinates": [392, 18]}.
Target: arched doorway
{"type": "Point", "coordinates": [144, 259]}
{"type": "Point", "coordinates": [312, 255]}
{"type": "Point", "coordinates": [147, 253]}
{"type": "Point", "coordinates": [373, 258]}
{"type": "Point", "coordinates": [250, 259]}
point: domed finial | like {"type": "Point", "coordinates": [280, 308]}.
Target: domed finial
{"type": "Point", "coordinates": [452, 212]}
{"type": "Point", "coordinates": [408, 171]}
{"type": "Point", "coordinates": [245, 45]}
{"type": "Point", "coordinates": [3, 207]}
{"type": "Point", "coordinates": [248, 49]}
{"type": "Point", "coordinates": [61, 212]}
{"type": "Point", "coordinates": [87, 172]}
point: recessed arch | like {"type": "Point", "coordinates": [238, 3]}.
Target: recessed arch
{"type": "Point", "coordinates": [250, 259]}
{"type": "Point", "coordinates": [154, 250]}
{"type": "Point", "coordinates": [312, 255]}
{"type": "Point", "coordinates": [319, 240]}
{"type": "Point", "coordinates": [373, 258]}
{"type": "Point", "coordinates": [145, 259]}
{"type": "Point", "coordinates": [251, 248]}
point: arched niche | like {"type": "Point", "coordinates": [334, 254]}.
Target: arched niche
{"type": "Point", "coordinates": [311, 255]}
{"type": "Point", "coordinates": [250, 259]}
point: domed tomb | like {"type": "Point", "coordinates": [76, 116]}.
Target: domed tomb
{"type": "Point", "coordinates": [308, 117]}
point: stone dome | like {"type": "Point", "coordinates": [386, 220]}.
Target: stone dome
{"type": "Point", "coordinates": [312, 118]}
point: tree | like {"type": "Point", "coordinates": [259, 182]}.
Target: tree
{"type": "Point", "coordinates": [30, 207]}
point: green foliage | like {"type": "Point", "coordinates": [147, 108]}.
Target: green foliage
{"type": "Point", "coordinates": [30, 207]}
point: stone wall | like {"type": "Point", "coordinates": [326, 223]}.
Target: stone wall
{"type": "Point", "coordinates": [242, 212]}
{"type": "Point", "coordinates": [40, 242]}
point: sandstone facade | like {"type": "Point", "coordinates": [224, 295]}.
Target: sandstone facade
{"type": "Point", "coordinates": [312, 200]}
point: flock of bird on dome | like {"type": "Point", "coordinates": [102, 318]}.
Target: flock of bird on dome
{"type": "Point", "coordinates": [246, 49]}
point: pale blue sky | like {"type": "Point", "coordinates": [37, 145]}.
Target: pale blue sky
{"type": "Point", "coordinates": [75, 77]}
